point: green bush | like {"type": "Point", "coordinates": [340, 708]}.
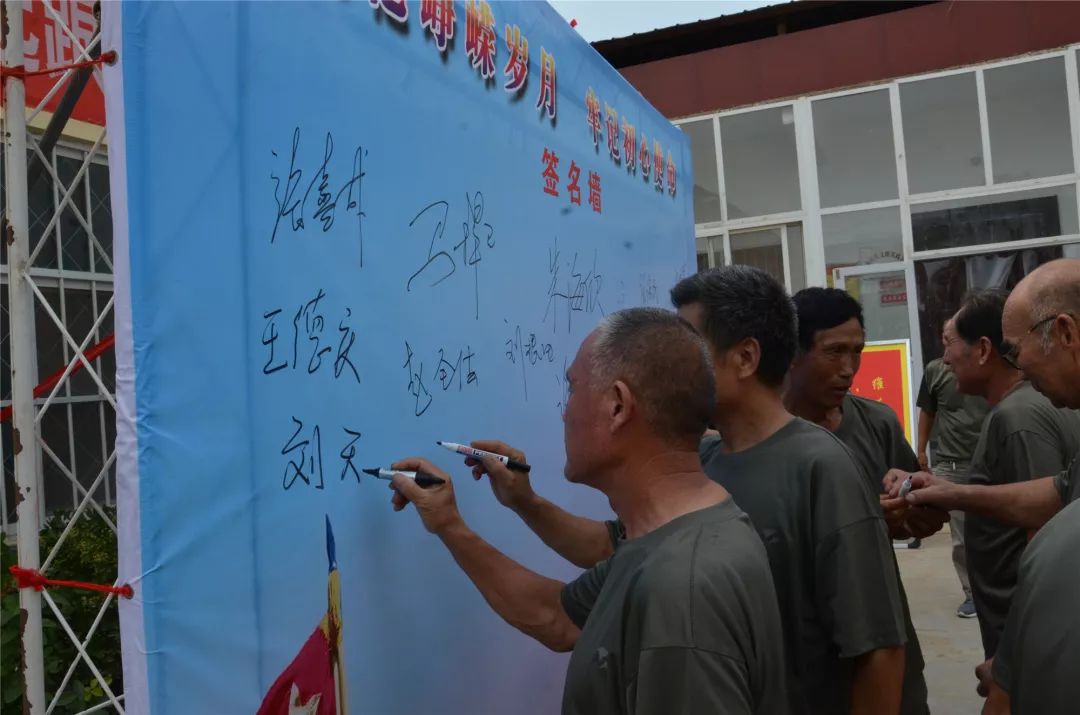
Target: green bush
{"type": "Point", "coordinates": [88, 554]}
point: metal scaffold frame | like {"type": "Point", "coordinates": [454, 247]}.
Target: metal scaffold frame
{"type": "Point", "coordinates": [26, 297]}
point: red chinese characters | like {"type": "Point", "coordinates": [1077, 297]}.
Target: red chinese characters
{"type": "Point", "coordinates": [517, 66]}
{"type": "Point", "coordinates": [438, 17]}
{"type": "Point", "coordinates": [574, 173]}
{"type": "Point", "coordinates": [480, 37]}
{"type": "Point", "coordinates": [396, 9]}
{"type": "Point", "coordinates": [658, 165]}
{"type": "Point", "coordinates": [670, 174]}
{"type": "Point", "coordinates": [594, 192]}
{"type": "Point", "coordinates": [644, 157]}
{"type": "Point", "coordinates": [551, 178]}
{"type": "Point", "coordinates": [546, 101]}
{"type": "Point", "coordinates": [48, 43]}
{"type": "Point", "coordinates": [629, 146]}
{"type": "Point", "coordinates": [592, 115]}
{"type": "Point", "coordinates": [612, 125]}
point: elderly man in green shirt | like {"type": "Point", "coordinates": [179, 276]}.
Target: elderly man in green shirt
{"type": "Point", "coordinates": [1035, 665]}
{"type": "Point", "coordinates": [954, 420]}
{"type": "Point", "coordinates": [828, 547]}
{"type": "Point", "coordinates": [682, 617]}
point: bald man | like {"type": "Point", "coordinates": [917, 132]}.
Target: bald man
{"type": "Point", "coordinates": [1034, 670]}
{"type": "Point", "coordinates": [1041, 329]}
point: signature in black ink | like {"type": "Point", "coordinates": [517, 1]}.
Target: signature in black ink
{"type": "Point", "coordinates": [432, 255]}
{"type": "Point", "coordinates": [476, 234]}
{"type": "Point", "coordinates": [416, 383]}
{"type": "Point", "coordinates": [528, 352]}
{"type": "Point", "coordinates": [449, 370]}
{"type": "Point", "coordinates": [269, 337]}
{"type": "Point", "coordinates": [579, 294]}
{"type": "Point", "coordinates": [348, 337]}
{"type": "Point", "coordinates": [348, 453]}
{"type": "Point", "coordinates": [327, 198]}
{"type": "Point", "coordinates": [303, 466]}
{"type": "Point", "coordinates": [310, 323]}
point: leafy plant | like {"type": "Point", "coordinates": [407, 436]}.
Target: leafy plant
{"type": "Point", "coordinates": [88, 554]}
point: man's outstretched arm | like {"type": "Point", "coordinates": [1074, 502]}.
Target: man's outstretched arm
{"type": "Point", "coordinates": [524, 599]}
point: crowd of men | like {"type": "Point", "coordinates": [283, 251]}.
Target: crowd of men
{"type": "Point", "coordinates": [750, 566]}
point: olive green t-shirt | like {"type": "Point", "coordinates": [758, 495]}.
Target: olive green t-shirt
{"type": "Point", "coordinates": [874, 435]}
{"type": "Point", "coordinates": [1037, 660]}
{"type": "Point", "coordinates": [958, 417]}
{"type": "Point", "coordinates": [829, 550]}
{"type": "Point", "coordinates": [680, 620]}
{"type": "Point", "coordinates": [1024, 437]}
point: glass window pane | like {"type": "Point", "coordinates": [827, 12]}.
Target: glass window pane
{"type": "Point", "coordinates": [101, 214]}
{"type": "Point", "coordinates": [1028, 111]}
{"type": "Point", "coordinates": [50, 343]}
{"type": "Point", "coordinates": [884, 299]}
{"type": "Point", "coordinates": [1018, 215]}
{"type": "Point", "coordinates": [943, 283]}
{"type": "Point", "coordinates": [74, 241]}
{"type": "Point", "coordinates": [853, 137]}
{"type": "Point", "coordinates": [87, 431]}
{"type": "Point", "coordinates": [761, 249]}
{"type": "Point", "coordinates": [706, 183]}
{"type": "Point", "coordinates": [710, 252]}
{"type": "Point", "coordinates": [796, 258]}
{"type": "Point", "coordinates": [106, 364]}
{"type": "Point", "coordinates": [942, 135]}
{"type": "Point", "coordinates": [41, 204]}
{"type": "Point", "coordinates": [761, 170]}
{"type": "Point", "coordinates": [80, 317]}
{"type": "Point", "coordinates": [857, 238]}
{"type": "Point", "coordinates": [54, 433]}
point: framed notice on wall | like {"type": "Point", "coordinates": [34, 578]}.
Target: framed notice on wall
{"type": "Point", "coordinates": [885, 376]}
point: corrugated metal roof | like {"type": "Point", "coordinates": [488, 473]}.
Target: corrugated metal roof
{"type": "Point", "coordinates": [745, 26]}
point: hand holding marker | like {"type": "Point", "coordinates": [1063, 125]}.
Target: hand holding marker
{"type": "Point", "coordinates": [422, 479]}
{"type": "Point", "coordinates": [481, 453]}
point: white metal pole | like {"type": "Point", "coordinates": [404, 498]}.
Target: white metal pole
{"type": "Point", "coordinates": [23, 360]}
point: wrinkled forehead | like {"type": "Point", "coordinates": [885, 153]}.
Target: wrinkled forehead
{"type": "Point", "coordinates": [847, 334]}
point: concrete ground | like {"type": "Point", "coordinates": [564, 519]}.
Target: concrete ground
{"type": "Point", "coordinates": [950, 645]}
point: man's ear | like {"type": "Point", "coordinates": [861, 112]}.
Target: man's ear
{"type": "Point", "coordinates": [621, 405]}
{"type": "Point", "coordinates": [985, 348]}
{"type": "Point", "coordinates": [1067, 330]}
{"type": "Point", "coordinates": [747, 356]}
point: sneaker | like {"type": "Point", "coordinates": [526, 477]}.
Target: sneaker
{"type": "Point", "coordinates": [914, 543]}
{"type": "Point", "coordinates": [966, 610]}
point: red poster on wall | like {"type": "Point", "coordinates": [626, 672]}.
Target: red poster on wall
{"type": "Point", "coordinates": [885, 376]}
{"type": "Point", "coordinates": [49, 43]}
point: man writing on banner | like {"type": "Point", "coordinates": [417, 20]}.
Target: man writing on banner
{"type": "Point", "coordinates": [1040, 646]}
{"type": "Point", "coordinates": [827, 544]}
{"type": "Point", "coordinates": [683, 617]}
{"type": "Point", "coordinates": [954, 420]}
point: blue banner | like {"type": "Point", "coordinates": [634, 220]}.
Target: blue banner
{"type": "Point", "coordinates": [345, 230]}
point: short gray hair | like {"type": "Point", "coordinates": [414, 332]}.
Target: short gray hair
{"type": "Point", "coordinates": [665, 363]}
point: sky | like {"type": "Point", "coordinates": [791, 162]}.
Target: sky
{"type": "Point", "coordinates": [604, 19]}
